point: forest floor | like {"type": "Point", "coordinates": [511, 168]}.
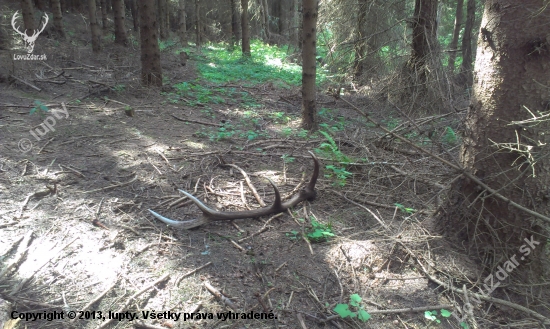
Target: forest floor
{"type": "Point", "coordinates": [77, 235]}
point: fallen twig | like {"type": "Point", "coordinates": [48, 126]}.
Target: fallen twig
{"type": "Point", "coordinates": [134, 296]}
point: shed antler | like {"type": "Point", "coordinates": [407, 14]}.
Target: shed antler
{"type": "Point", "coordinates": [307, 193]}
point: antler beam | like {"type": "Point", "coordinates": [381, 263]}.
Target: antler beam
{"type": "Point", "coordinates": [307, 193]}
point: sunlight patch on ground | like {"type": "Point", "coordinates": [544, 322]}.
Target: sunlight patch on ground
{"type": "Point", "coordinates": [195, 145]}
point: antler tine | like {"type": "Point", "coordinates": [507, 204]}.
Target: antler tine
{"type": "Point", "coordinates": [45, 23]}
{"type": "Point", "coordinates": [16, 28]}
{"type": "Point", "coordinates": [277, 203]}
{"type": "Point", "coordinates": [315, 175]}
{"type": "Point", "coordinates": [206, 211]}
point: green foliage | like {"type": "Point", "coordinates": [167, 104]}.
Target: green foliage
{"type": "Point", "coordinates": [330, 150]}
{"type": "Point", "coordinates": [119, 88]}
{"type": "Point", "coordinates": [267, 64]}
{"type": "Point", "coordinates": [292, 235]}
{"type": "Point", "coordinates": [356, 310]}
{"type": "Point", "coordinates": [319, 232]}
{"type": "Point", "coordinates": [279, 117]}
{"type": "Point", "coordinates": [38, 105]}
{"type": "Point", "coordinates": [287, 158]}
{"type": "Point", "coordinates": [450, 136]}
{"type": "Point", "coordinates": [200, 94]}
{"type": "Point", "coordinates": [391, 123]}
{"type": "Point", "coordinates": [408, 211]}
{"type": "Point", "coordinates": [432, 316]}
{"type": "Point", "coordinates": [166, 44]}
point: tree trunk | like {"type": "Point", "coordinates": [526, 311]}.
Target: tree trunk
{"type": "Point", "coordinates": [182, 29]}
{"type": "Point", "coordinates": [309, 69]}
{"type": "Point", "coordinates": [120, 18]}
{"type": "Point", "coordinates": [197, 24]}
{"type": "Point", "coordinates": [57, 18]}
{"type": "Point", "coordinates": [4, 40]}
{"type": "Point", "coordinates": [360, 43]}
{"type": "Point", "coordinates": [28, 16]}
{"type": "Point", "coordinates": [456, 35]}
{"type": "Point", "coordinates": [94, 27]}
{"type": "Point", "coordinates": [264, 15]}
{"type": "Point", "coordinates": [234, 23]}
{"type": "Point", "coordinates": [40, 5]}
{"type": "Point", "coordinates": [151, 73]}
{"type": "Point", "coordinates": [245, 43]}
{"type": "Point", "coordinates": [104, 18]}
{"type": "Point", "coordinates": [294, 25]}
{"type": "Point", "coordinates": [163, 8]}
{"type": "Point", "coordinates": [135, 17]}
{"type": "Point", "coordinates": [424, 33]}
{"type": "Point", "coordinates": [467, 43]}
{"type": "Point", "coordinates": [508, 156]}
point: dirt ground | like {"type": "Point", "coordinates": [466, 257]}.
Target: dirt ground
{"type": "Point", "coordinates": [76, 234]}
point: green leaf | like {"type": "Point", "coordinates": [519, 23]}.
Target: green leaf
{"type": "Point", "coordinates": [355, 299]}
{"type": "Point", "coordinates": [33, 110]}
{"type": "Point", "coordinates": [430, 316]}
{"type": "Point", "coordinates": [464, 325]}
{"type": "Point", "coordinates": [363, 315]}
{"type": "Point", "coordinates": [445, 313]}
{"type": "Point", "coordinates": [343, 311]}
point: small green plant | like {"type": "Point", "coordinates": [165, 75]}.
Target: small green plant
{"type": "Point", "coordinates": [339, 173]}
{"type": "Point", "coordinates": [292, 235]}
{"type": "Point", "coordinates": [450, 136]}
{"type": "Point", "coordinates": [280, 117]}
{"type": "Point", "coordinates": [391, 123]}
{"type": "Point", "coordinates": [408, 211]}
{"type": "Point", "coordinates": [163, 45]}
{"type": "Point", "coordinates": [119, 88]}
{"type": "Point", "coordinates": [38, 105]}
{"type": "Point", "coordinates": [287, 158]}
{"type": "Point", "coordinates": [319, 232]}
{"type": "Point", "coordinates": [303, 133]}
{"type": "Point", "coordinates": [286, 131]}
{"type": "Point", "coordinates": [249, 134]}
{"type": "Point", "coordinates": [353, 309]}
{"type": "Point", "coordinates": [330, 150]}
{"type": "Point", "coordinates": [432, 316]}
{"type": "Point", "coordinates": [224, 132]}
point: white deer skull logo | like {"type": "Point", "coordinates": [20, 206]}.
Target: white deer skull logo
{"type": "Point", "coordinates": [29, 40]}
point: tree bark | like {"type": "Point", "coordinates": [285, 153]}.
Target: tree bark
{"type": "Point", "coordinates": [135, 15]}
{"type": "Point", "coordinates": [197, 24]}
{"type": "Point", "coordinates": [245, 43]}
{"type": "Point", "coordinates": [163, 8]}
{"type": "Point", "coordinates": [40, 5]}
{"type": "Point", "coordinates": [424, 40]}
{"type": "Point", "coordinates": [28, 16]}
{"type": "Point", "coordinates": [151, 72]}
{"type": "Point", "coordinates": [57, 18]}
{"type": "Point", "coordinates": [234, 23]}
{"type": "Point", "coordinates": [120, 18]}
{"type": "Point", "coordinates": [94, 27]}
{"type": "Point", "coordinates": [264, 14]}
{"type": "Point", "coordinates": [104, 18]}
{"type": "Point", "coordinates": [508, 156]}
{"type": "Point", "coordinates": [309, 69]}
{"type": "Point", "coordinates": [456, 35]}
{"type": "Point", "coordinates": [360, 43]}
{"type": "Point", "coordinates": [182, 28]}
{"type": "Point", "coordinates": [466, 69]}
